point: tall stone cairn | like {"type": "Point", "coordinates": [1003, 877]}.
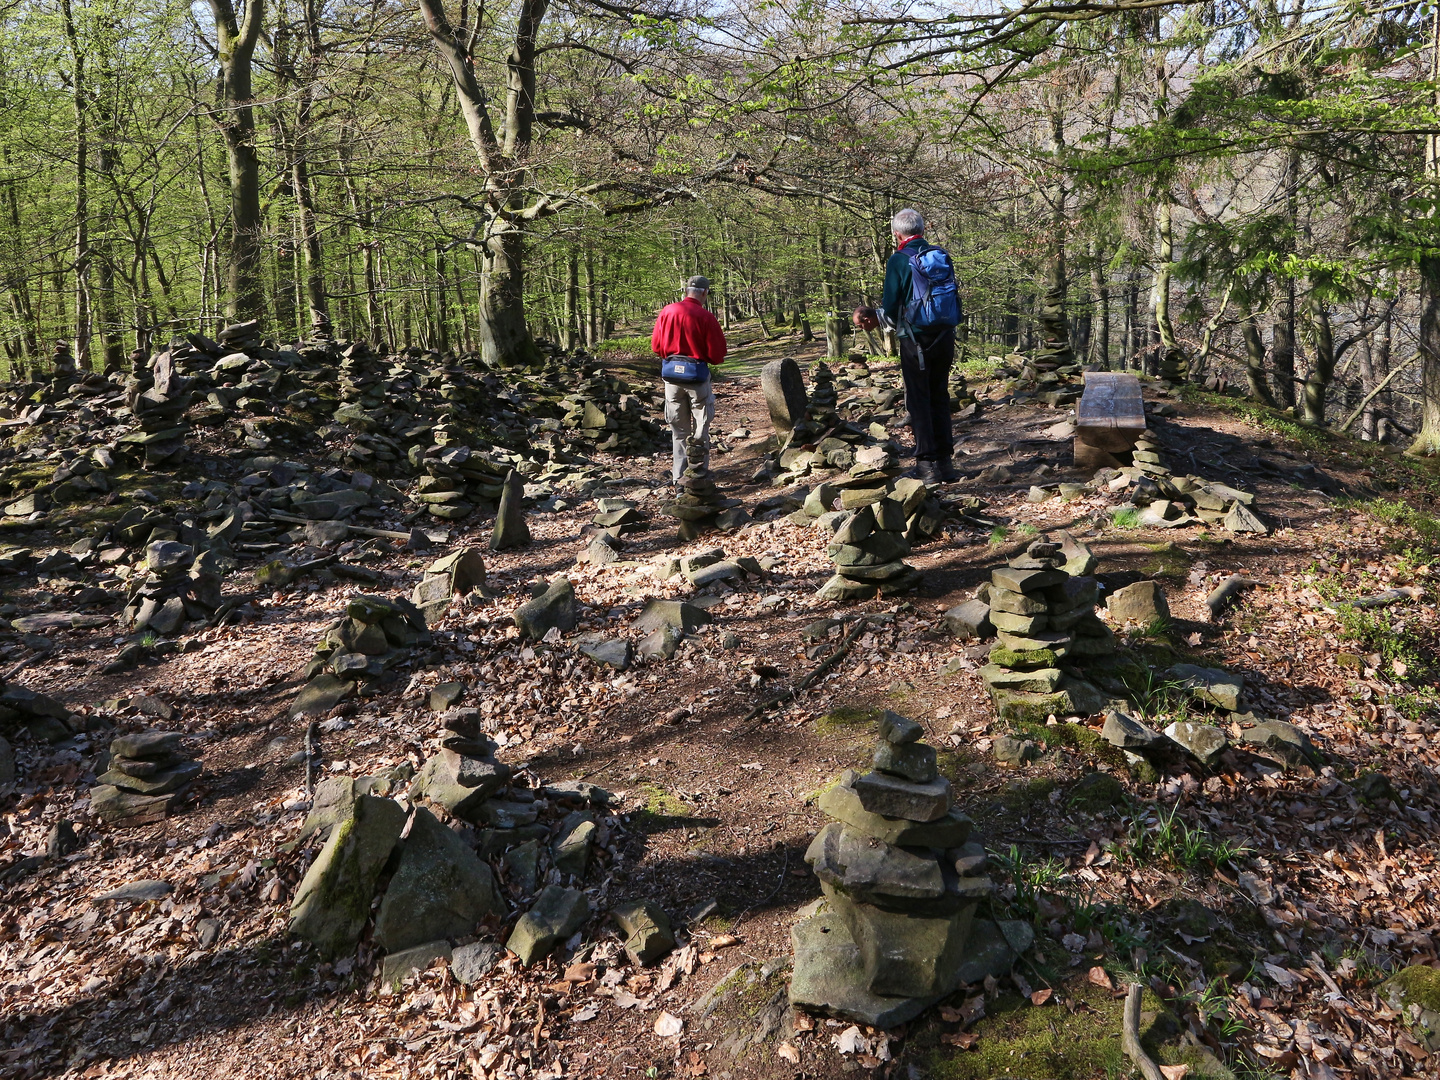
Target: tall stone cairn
{"type": "Point", "coordinates": [700, 508]}
{"type": "Point", "coordinates": [870, 546]}
{"type": "Point", "coordinates": [900, 883]}
{"type": "Point", "coordinates": [1043, 615]}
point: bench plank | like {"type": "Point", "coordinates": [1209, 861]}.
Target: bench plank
{"type": "Point", "coordinates": [1111, 413]}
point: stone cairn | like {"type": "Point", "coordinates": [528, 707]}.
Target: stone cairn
{"type": "Point", "coordinates": [158, 399]}
{"type": "Point", "coordinates": [148, 771]}
{"type": "Point", "coordinates": [700, 508]}
{"type": "Point", "coordinates": [457, 574]}
{"type": "Point", "coordinates": [177, 587]}
{"type": "Point", "coordinates": [458, 480]}
{"type": "Point", "coordinates": [870, 545]}
{"type": "Point", "coordinates": [374, 636]}
{"type": "Point", "coordinates": [895, 931]}
{"type": "Point", "coordinates": [1043, 615]}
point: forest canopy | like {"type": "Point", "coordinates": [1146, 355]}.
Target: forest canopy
{"type": "Point", "coordinates": [1204, 190]}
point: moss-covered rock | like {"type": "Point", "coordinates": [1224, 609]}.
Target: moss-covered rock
{"type": "Point", "coordinates": [1097, 792]}
{"type": "Point", "coordinates": [1415, 991]}
{"type": "Point", "coordinates": [333, 899]}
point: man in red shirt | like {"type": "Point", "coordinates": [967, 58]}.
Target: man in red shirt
{"type": "Point", "coordinates": [688, 329]}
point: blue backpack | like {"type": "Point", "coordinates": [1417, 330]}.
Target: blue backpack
{"type": "Point", "coordinates": [934, 297]}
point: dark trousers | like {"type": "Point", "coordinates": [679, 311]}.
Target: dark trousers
{"type": "Point", "coordinates": [927, 393]}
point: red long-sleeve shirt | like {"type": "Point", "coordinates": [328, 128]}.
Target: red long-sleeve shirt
{"type": "Point", "coordinates": [686, 328]}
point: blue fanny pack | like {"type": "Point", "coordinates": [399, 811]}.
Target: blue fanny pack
{"type": "Point", "coordinates": [684, 369]}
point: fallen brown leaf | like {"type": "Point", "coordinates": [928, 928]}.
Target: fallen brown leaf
{"type": "Point", "coordinates": [1174, 1072]}
{"type": "Point", "coordinates": [963, 1039]}
{"type": "Point", "coordinates": [1100, 977]}
{"type": "Point", "coordinates": [1039, 997]}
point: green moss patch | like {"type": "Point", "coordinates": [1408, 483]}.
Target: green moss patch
{"type": "Point", "coordinates": [1418, 985]}
{"type": "Point", "coordinates": [844, 717]}
{"type": "Point", "coordinates": [1031, 1042]}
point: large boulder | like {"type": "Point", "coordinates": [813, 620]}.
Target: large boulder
{"type": "Point", "coordinates": [1143, 603]}
{"type": "Point", "coordinates": [332, 901]}
{"type": "Point", "coordinates": [555, 607]}
{"type": "Point", "coordinates": [646, 927]}
{"type": "Point", "coordinates": [440, 890]}
{"type": "Point", "coordinates": [458, 782]}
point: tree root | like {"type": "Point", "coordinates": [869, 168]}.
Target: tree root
{"type": "Point", "coordinates": [1130, 1036]}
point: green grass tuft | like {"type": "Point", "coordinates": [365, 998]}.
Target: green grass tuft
{"type": "Point", "coordinates": [1125, 517]}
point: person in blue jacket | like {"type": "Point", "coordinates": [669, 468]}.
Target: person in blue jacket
{"type": "Point", "coordinates": [926, 355]}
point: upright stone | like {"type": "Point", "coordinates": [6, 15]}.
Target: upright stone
{"type": "Point", "coordinates": [333, 899]}
{"type": "Point", "coordinates": [784, 389]}
{"type": "Point", "coordinates": [510, 528]}
{"type": "Point", "coordinates": [441, 889]}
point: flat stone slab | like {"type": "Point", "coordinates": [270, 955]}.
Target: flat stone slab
{"type": "Point", "coordinates": [892, 796]}
{"type": "Point", "coordinates": [138, 891]}
{"type": "Point", "coordinates": [398, 966]}
{"type": "Point", "coordinates": [852, 862]}
{"type": "Point", "coordinates": [1214, 686]}
{"type": "Point", "coordinates": [843, 804]}
{"type": "Point", "coordinates": [1111, 412]}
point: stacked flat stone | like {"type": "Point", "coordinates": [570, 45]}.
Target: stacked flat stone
{"type": "Point", "coordinates": [360, 378]}
{"type": "Point", "coordinates": [700, 508]}
{"type": "Point", "coordinates": [609, 415]}
{"type": "Point", "coordinates": [618, 517]}
{"type": "Point", "coordinates": [177, 587]}
{"type": "Point", "coordinates": [870, 545]}
{"type": "Point", "coordinates": [376, 634]}
{"type": "Point", "coordinates": [158, 399]}
{"type": "Point", "coordinates": [458, 480]}
{"type": "Point", "coordinates": [901, 884]}
{"type": "Point", "coordinates": [148, 771]}
{"type": "Point", "coordinates": [1042, 615]}
{"type": "Point", "coordinates": [1148, 458]}
{"type": "Point", "coordinates": [457, 574]}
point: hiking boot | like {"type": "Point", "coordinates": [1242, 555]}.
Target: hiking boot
{"type": "Point", "coordinates": [929, 472]}
{"type": "Point", "coordinates": [948, 475]}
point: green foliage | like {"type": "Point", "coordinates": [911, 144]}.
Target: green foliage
{"type": "Point", "coordinates": [1168, 838]}
{"type": "Point", "coordinates": [1125, 517]}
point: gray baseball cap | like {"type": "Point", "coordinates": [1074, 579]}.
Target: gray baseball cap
{"type": "Point", "coordinates": [699, 281]}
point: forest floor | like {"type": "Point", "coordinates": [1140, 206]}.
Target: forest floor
{"type": "Point", "coordinates": [1262, 915]}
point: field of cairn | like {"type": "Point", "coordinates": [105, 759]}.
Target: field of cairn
{"type": "Point", "coordinates": [382, 715]}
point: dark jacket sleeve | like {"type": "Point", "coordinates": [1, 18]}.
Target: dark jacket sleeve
{"type": "Point", "coordinates": [897, 287]}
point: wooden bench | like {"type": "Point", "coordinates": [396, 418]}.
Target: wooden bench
{"type": "Point", "coordinates": [1109, 418]}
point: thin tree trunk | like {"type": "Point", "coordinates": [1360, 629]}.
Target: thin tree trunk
{"type": "Point", "coordinates": [1254, 348]}
{"type": "Point", "coordinates": [572, 299]}
{"type": "Point", "coordinates": [79, 98]}
{"type": "Point", "coordinates": [236, 116]}
{"type": "Point", "coordinates": [1172, 363]}
{"type": "Point", "coordinates": [1322, 371]}
{"type": "Point", "coordinates": [1427, 442]}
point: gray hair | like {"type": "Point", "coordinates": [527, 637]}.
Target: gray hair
{"type": "Point", "coordinates": [907, 222]}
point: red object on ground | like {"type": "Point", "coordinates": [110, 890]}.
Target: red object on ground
{"type": "Point", "coordinates": [685, 328]}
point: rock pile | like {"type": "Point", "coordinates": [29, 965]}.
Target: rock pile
{"type": "Point", "coordinates": [375, 636]}
{"type": "Point", "coordinates": [870, 544]}
{"type": "Point", "coordinates": [700, 508]}
{"type": "Point", "coordinates": [442, 887]}
{"type": "Point", "coordinates": [1043, 615]}
{"type": "Point", "coordinates": [158, 400]}
{"type": "Point", "coordinates": [611, 415]}
{"type": "Point", "coordinates": [901, 879]}
{"type": "Point", "coordinates": [148, 772]}
{"type": "Point", "coordinates": [176, 587]}
{"type": "Point", "coordinates": [457, 574]}
{"type": "Point", "coordinates": [44, 718]}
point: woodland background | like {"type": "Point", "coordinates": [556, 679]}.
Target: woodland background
{"type": "Point", "coordinates": [1246, 190]}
